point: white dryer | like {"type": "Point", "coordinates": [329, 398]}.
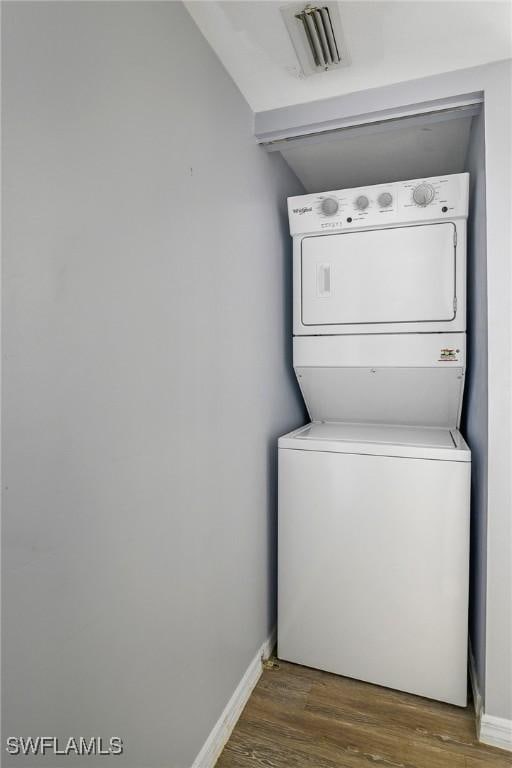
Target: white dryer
{"type": "Point", "coordinates": [374, 493]}
{"type": "Point", "coordinates": [386, 259]}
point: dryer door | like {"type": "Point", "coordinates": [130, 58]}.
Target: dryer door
{"type": "Point", "coordinates": [396, 275]}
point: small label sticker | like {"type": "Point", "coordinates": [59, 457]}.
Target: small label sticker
{"type": "Point", "coordinates": [448, 354]}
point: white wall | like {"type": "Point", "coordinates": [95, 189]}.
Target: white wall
{"type": "Point", "coordinates": [498, 161]}
{"type": "Point", "coordinates": [387, 40]}
{"type": "Point", "coordinates": [147, 375]}
{"type": "Point", "coordinates": [494, 83]}
{"type": "Point", "coordinates": [476, 402]}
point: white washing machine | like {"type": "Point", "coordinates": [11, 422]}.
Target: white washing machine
{"type": "Point", "coordinates": [374, 492]}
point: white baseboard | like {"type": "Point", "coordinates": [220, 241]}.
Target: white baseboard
{"type": "Point", "coordinates": [494, 731]}
{"type": "Point", "coordinates": [221, 731]}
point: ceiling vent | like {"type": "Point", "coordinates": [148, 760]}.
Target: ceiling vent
{"type": "Point", "coordinates": [317, 36]}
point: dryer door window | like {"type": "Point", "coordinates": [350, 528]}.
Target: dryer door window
{"type": "Point", "coordinates": [398, 275]}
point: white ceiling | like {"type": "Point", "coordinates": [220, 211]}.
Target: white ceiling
{"type": "Point", "coordinates": [396, 151]}
{"type": "Point", "coordinates": [388, 41]}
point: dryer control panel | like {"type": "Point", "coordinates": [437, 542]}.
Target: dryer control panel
{"type": "Point", "coordinates": [400, 202]}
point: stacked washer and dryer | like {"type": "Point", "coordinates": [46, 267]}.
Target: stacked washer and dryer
{"type": "Point", "coordinates": [374, 492]}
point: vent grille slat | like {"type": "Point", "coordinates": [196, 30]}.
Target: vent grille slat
{"type": "Point", "coordinates": [314, 39]}
{"type": "Point", "coordinates": [326, 16]}
{"type": "Point", "coordinates": [319, 24]}
{"type": "Point", "coordinates": [318, 28]}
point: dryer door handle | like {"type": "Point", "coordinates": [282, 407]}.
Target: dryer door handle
{"type": "Point", "coordinates": [323, 276]}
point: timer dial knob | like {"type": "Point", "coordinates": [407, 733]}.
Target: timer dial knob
{"type": "Point", "coordinates": [385, 199]}
{"type": "Point", "coordinates": [423, 194]}
{"type": "Point", "coordinates": [362, 202]}
{"type": "Point", "coordinates": [329, 206]}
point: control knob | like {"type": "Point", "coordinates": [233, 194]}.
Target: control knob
{"type": "Point", "coordinates": [329, 206]}
{"type": "Point", "coordinates": [423, 194]}
{"type": "Point", "coordinates": [385, 199]}
{"type": "Point", "coordinates": [362, 202]}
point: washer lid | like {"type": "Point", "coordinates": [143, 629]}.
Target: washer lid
{"type": "Point", "coordinates": [379, 440]}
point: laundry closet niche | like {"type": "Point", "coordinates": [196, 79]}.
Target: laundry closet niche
{"type": "Point", "coordinates": [423, 145]}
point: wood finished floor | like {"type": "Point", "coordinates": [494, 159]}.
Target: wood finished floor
{"type": "Point", "coordinates": [302, 718]}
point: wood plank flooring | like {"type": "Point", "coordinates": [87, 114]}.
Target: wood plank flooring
{"type": "Point", "coordinates": [302, 718]}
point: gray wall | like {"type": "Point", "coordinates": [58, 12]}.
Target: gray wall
{"type": "Point", "coordinates": [498, 162]}
{"type": "Point", "coordinates": [474, 423]}
{"type": "Point", "coordinates": [147, 375]}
